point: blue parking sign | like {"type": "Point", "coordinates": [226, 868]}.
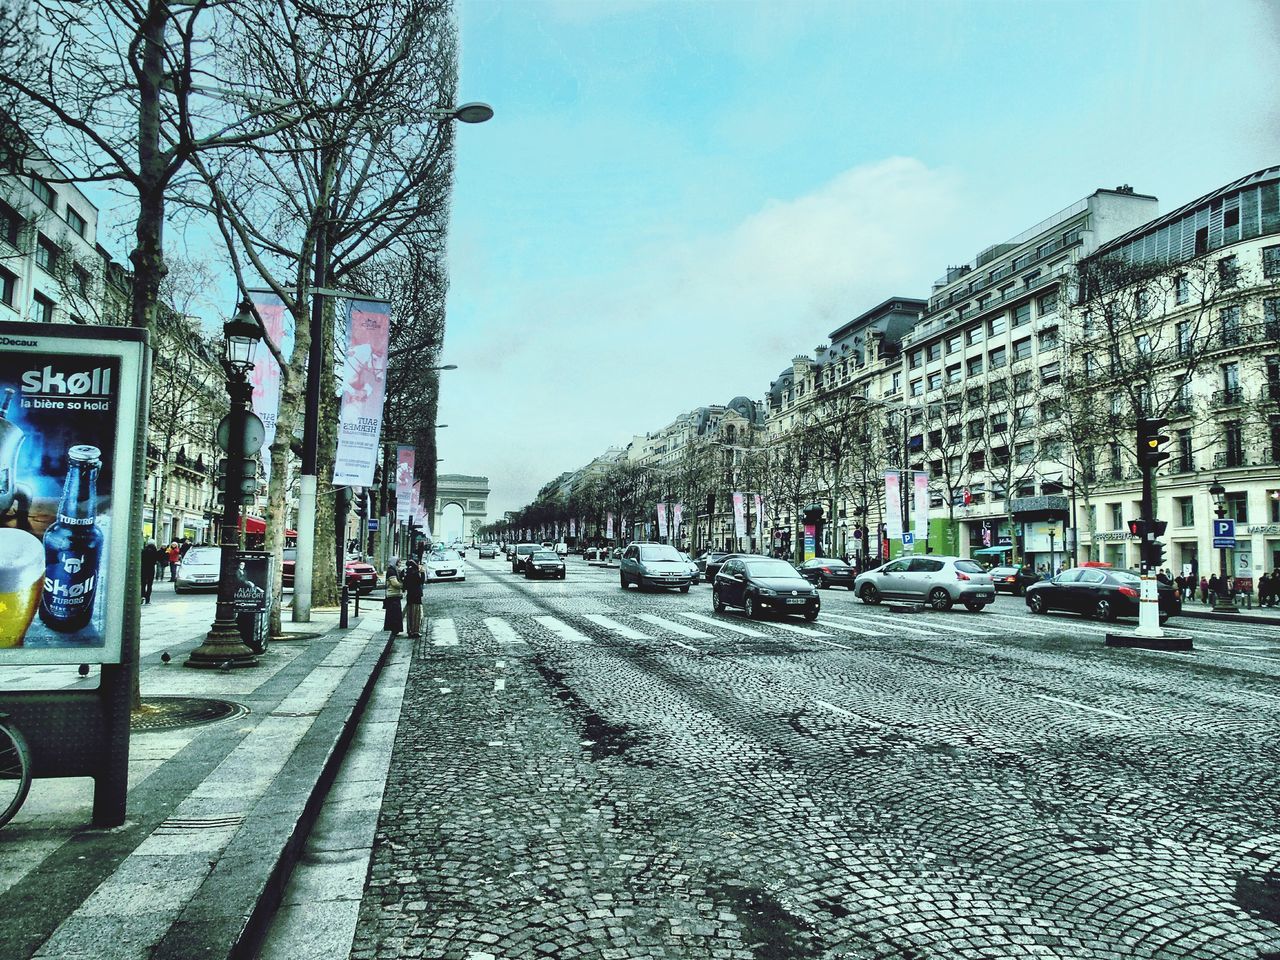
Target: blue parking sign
{"type": "Point", "coordinates": [1224, 534]}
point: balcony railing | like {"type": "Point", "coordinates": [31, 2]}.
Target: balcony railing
{"type": "Point", "coordinates": [1227, 397]}
{"type": "Point", "coordinates": [1229, 458]}
{"type": "Point", "coordinates": [1182, 465]}
{"type": "Point", "coordinates": [968, 291]}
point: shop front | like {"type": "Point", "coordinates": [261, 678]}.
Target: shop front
{"type": "Point", "coordinates": [1040, 524]}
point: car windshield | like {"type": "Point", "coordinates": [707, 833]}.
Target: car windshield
{"type": "Point", "coordinates": [527, 549]}
{"type": "Point", "coordinates": [1125, 576]}
{"type": "Point", "coordinates": [202, 555]}
{"type": "Point", "coordinates": [969, 566]}
{"type": "Point", "coordinates": [659, 552]}
{"type": "Point", "coordinates": [545, 555]}
{"type": "Point", "coordinates": [445, 556]}
{"type": "Point", "coordinates": [769, 568]}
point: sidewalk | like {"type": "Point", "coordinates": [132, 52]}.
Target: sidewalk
{"type": "Point", "coordinates": [218, 813]}
{"type": "Point", "coordinates": [1243, 614]}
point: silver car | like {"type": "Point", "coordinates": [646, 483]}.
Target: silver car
{"type": "Point", "coordinates": [200, 569]}
{"type": "Point", "coordinates": [937, 581]}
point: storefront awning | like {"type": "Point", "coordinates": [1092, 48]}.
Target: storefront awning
{"type": "Point", "coordinates": [991, 551]}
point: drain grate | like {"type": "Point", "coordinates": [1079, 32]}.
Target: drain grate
{"type": "Point", "coordinates": [174, 713]}
{"type": "Point", "coordinates": [176, 825]}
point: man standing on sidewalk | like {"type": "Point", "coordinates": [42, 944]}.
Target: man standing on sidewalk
{"type": "Point", "coordinates": [413, 599]}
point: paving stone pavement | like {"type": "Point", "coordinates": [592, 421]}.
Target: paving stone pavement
{"type": "Point", "coordinates": [581, 771]}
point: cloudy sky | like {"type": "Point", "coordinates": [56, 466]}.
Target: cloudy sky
{"type": "Point", "coordinates": [675, 198]}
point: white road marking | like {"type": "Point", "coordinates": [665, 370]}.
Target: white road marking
{"type": "Point", "coordinates": [723, 624]}
{"type": "Point", "coordinates": [616, 628]}
{"type": "Point", "coordinates": [1242, 656]}
{"type": "Point", "coordinates": [445, 633]}
{"type": "Point", "coordinates": [502, 631]}
{"type": "Point", "coordinates": [677, 628]}
{"type": "Point", "coordinates": [1081, 706]}
{"type": "Point", "coordinates": [840, 624]}
{"type": "Point", "coordinates": [499, 684]}
{"type": "Point", "coordinates": [501, 664]}
{"type": "Point", "coordinates": [852, 716]}
{"type": "Point", "coordinates": [889, 626]}
{"type": "Point", "coordinates": [803, 631]}
{"type": "Point", "coordinates": [563, 630]}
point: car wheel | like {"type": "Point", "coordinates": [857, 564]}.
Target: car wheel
{"type": "Point", "coordinates": [811, 615]}
{"type": "Point", "coordinates": [973, 607]}
{"type": "Point", "coordinates": [939, 599]}
{"type": "Point", "coordinates": [1103, 610]}
{"type": "Point", "coordinates": [823, 585]}
{"type": "Point", "coordinates": [1017, 591]}
{"type": "Point", "coordinates": [749, 607]}
{"type": "Point", "coordinates": [717, 604]}
{"type": "Point", "coordinates": [622, 578]}
{"type": "Point", "coordinates": [1036, 604]}
{"type": "Point", "coordinates": [870, 594]}
{"type": "Point", "coordinates": [562, 574]}
{"type": "Point", "coordinates": [685, 588]}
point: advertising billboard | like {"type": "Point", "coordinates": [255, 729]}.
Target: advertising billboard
{"type": "Point", "coordinates": [72, 413]}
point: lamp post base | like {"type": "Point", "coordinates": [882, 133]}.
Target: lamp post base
{"type": "Point", "coordinates": [222, 647]}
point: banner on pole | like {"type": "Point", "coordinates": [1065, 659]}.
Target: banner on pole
{"type": "Point", "coordinates": [759, 517]}
{"type": "Point", "coordinates": [265, 375]}
{"type": "Point", "coordinates": [677, 514]}
{"type": "Point", "coordinates": [662, 519]}
{"type": "Point", "coordinates": [404, 479]}
{"type": "Point", "coordinates": [364, 388]}
{"type": "Point", "coordinates": [921, 507]}
{"type": "Point", "coordinates": [608, 526]}
{"type": "Point", "coordinates": [739, 517]}
{"type": "Point", "coordinates": [573, 529]}
{"type": "Point", "coordinates": [892, 505]}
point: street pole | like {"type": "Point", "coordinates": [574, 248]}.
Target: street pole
{"type": "Point", "coordinates": [305, 560]}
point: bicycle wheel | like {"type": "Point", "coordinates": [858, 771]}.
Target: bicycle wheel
{"type": "Point", "coordinates": [15, 771]}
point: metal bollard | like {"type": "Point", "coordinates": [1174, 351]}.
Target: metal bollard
{"type": "Point", "coordinates": [342, 616]}
{"type": "Point", "coordinates": [357, 601]}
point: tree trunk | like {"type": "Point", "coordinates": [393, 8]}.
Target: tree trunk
{"type": "Point", "coordinates": [325, 585]}
{"type": "Point", "coordinates": [287, 421]}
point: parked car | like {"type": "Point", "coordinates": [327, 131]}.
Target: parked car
{"type": "Point", "coordinates": [488, 551]}
{"type": "Point", "coordinates": [711, 561]}
{"type": "Point", "coordinates": [443, 565]}
{"type": "Point", "coordinates": [200, 569]}
{"type": "Point", "coordinates": [522, 553]}
{"type": "Point", "coordinates": [1102, 593]}
{"type": "Point", "coordinates": [655, 565]}
{"type": "Point", "coordinates": [761, 585]}
{"type": "Point", "coordinates": [1012, 580]}
{"type": "Point", "coordinates": [697, 573]}
{"type": "Point", "coordinates": [828, 572]}
{"type": "Point", "coordinates": [544, 563]}
{"type": "Point", "coordinates": [937, 581]}
{"type": "Point", "coordinates": [360, 575]}
{"type": "Point", "coordinates": [562, 549]}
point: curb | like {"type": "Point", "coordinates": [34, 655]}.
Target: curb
{"type": "Point", "coordinates": [1169, 643]}
{"type": "Point", "coordinates": [231, 911]}
{"type": "Point", "coordinates": [1229, 617]}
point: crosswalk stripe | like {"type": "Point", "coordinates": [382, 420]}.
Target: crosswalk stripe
{"type": "Point", "coordinates": [502, 631]}
{"type": "Point", "coordinates": [828, 620]}
{"type": "Point", "coordinates": [891, 623]}
{"type": "Point", "coordinates": [562, 629]}
{"type": "Point", "coordinates": [616, 628]}
{"type": "Point", "coordinates": [803, 631]}
{"type": "Point", "coordinates": [677, 628]}
{"type": "Point", "coordinates": [444, 633]}
{"type": "Point", "coordinates": [723, 624]}
{"type": "Point", "coordinates": [888, 627]}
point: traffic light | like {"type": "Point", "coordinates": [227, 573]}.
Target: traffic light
{"type": "Point", "coordinates": [1138, 528]}
{"type": "Point", "coordinates": [1150, 441]}
{"type": "Point", "coordinates": [342, 503]}
{"type": "Point", "coordinates": [1155, 554]}
{"type": "Point", "coordinates": [711, 504]}
{"type": "Point", "coordinates": [362, 506]}
{"type": "Point", "coordinates": [248, 480]}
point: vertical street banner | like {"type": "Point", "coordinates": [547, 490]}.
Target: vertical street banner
{"type": "Point", "coordinates": [364, 388]}
{"type": "Point", "coordinates": [573, 529]}
{"type": "Point", "coordinates": [72, 422]}
{"type": "Point", "coordinates": [404, 479]}
{"type": "Point", "coordinates": [662, 519]}
{"type": "Point", "coordinates": [892, 505]}
{"type": "Point", "coordinates": [265, 375]}
{"type": "Point", "coordinates": [677, 514]}
{"type": "Point", "coordinates": [739, 516]}
{"type": "Point", "coordinates": [759, 518]}
{"type": "Point", "coordinates": [608, 526]}
{"type": "Point", "coordinates": [921, 506]}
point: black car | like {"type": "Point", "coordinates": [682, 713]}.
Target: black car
{"type": "Point", "coordinates": [1013, 580]}
{"type": "Point", "coordinates": [709, 563]}
{"type": "Point", "coordinates": [763, 585]}
{"type": "Point", "coordinates": [521, 554]}
{"type": "Point", "coordinates": [544, 563]}
{"type": "Point", "coordinates": [828, 572]}
{"type": "Point", "coordinates": [1100, 592]}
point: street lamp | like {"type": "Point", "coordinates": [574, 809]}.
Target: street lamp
{"type": "Point", "coordinates": [1222, 597]}
{"type": "Point", "coordinates": [240, 436]}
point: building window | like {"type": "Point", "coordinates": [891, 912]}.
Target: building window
{"type": "Point", "coordinates": [934, 351]}
{"type": "Point", "coordinates": [997, 325]}
{"type": "Point", "coordinates": [1181, 289]}
{"type": "Point", "coordinates": [1184, 338]}
{"type": "Point", "coordinates": [1022, 314]}
{"type": "Point", "coordinates": [974, 366]}
{"type": "Point", "coordinates": [8, 285]}
{"type": "Point", "coordinates": [1022, 349]}
{"type": "Point", "coordinates": [1271, 317]}
{"type": "Point", "coordinates": [1186, 511]}
{"type": "Point", "coordinates": [10, 223]}
{"type": "Point", "coordinates": [1228, 271]}
{"type": "Point", "coordinates": [47, 254]}
{"type": "Point", "coordinates": [44, 193]}
{"type": "Point", "coordinates": [1047, 304]}
{"type": "Point", "coordinates": [973, 335]}
{"type": "Point", "coordinates": [1271, 261]}
{"type": "Point", "coordinates": [917, 388]}
{"type": "Point", "coordinates": [1048, 340]}
{"type": "Point", "coordinates": [975, 430]}
{"type": "Point", "coordinates": [915, 358]}
{"type": "Point", "coordinates": [997, 390]}
{"type": "Point", "coordinates": [977, 461]}
{"type": "Point", "coordinates": [1237, 505]}
{"type": "Point", "coordinates": [1231, 382]}
{"type": "Point", "coordinates": [1273, 500]}
{"type": "Point", "coordinates": [84, 281]}
{"type": "Point", "coordinates": [998, 358]}
{"type": "Point", "coordinates": [954, 343]}
{"type": "Point", "coordinates": [897, 382]}
{"type": "Point", "coordinates": [1142, 343]}
{"type": "Point", "coordinates": [1051, 411]}
{"type": "Point", "coordinates": [1117, 516]}
{"type": "Point", "coordinates": [1000, 423]}
{"type": "Point", "coordinates": [42, 308]}
{"type": "Point", "coordinates": [1229, 321]}
{"type": "Point", "coordinates": [1273, 379]}
{"type": "Point", "coordinates": [1233, 444]}
{"type": "Point", "coordinates": [953, 373]}
{"type": "Point", "coordinates": [1090, 366]}
{"type": "Point", "coordinates": [76, 222]}
{"type": "Point", "coordinates": [935, 381]}
{"type": "Point", "coordinates": [1050, 373]}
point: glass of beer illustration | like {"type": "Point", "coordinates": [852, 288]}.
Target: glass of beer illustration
{"type": "Point", "coordinates": [22, 564]}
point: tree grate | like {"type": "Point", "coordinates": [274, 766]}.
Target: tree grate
{"type": "Point", "coordinates": [174, 713]}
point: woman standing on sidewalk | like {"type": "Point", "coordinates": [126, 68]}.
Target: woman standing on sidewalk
{"type": "Point", "coordinates": [392, 616]}
{"type": "Point", "coordinates": [412, 599]}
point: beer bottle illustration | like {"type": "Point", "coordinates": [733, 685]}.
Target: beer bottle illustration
{"type": "Point", "coordinates": [73, 546]}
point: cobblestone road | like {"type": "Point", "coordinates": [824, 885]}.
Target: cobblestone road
{"type": "Point", "coordinates": [580, 772]}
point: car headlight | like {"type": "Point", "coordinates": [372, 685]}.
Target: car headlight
{"type": "Point", "coordinates": [766, 592]}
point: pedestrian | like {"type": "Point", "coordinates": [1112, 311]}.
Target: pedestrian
{"type": "Point", "coordinates": [1204, 589]}
{"type": "Point", "coordinates": [1163, 577]}
{"type": "Point", "coordinates": [1264, 590]}
{"type": "Point", "coordinates": [392, 614]}
{"type": "Point", "coordinates": [1181, 583]}
{"type": "Point", "coordinates": [182, 550]}
{"type": "Point", "coordinates": [175, 555]}
{"type": "Point", "coordinates": [1215, 587]}
{"type": "Point", "coordinates": [150, 560]}
{"type": "Point", "coordinates": [412, 599]}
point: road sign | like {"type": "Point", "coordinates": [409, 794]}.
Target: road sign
{"type": "Point", "coordinates": [908, 539]}
{"type": "Point", "coordinates": [1224, 534]}
{"type": "Point", "coordinates": [373, 524]}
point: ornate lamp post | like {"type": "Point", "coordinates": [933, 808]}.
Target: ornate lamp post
{"type": "Point", "coordinates": [1222, 598]}
{"type": "Point", "coordinates": [240, 434]}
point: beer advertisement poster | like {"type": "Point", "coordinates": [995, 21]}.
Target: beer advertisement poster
{"type": "Point", "coordinates": [69, 420]}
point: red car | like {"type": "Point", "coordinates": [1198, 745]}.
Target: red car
{"type": "Point", "coordinates": [360, 575]}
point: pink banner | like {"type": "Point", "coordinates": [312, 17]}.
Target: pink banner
{"type": "Point", "coordinates": [662, 519]}
{"type": "Point", "coordinates": [677, 514]}
{"type": "Point", "coordinates": [265, 375]}
{"type": "Point", "coordinates": [404, 479]}
{"type": "Point", "coordinates": [739, 514]}
{"type": "Point", "coordinates": [921, 507]}
{"type": "Point", "coordinates": [573, 528]}
{"type": "Point", "coordinates": [892, 505]}
{"type": "Point", "coordinates": [364, 388]}
{"type": "Point", "coordinates": [608, 526]}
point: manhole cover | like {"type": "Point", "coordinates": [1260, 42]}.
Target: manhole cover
{"type": "Point", "coordinates": [172, 713]}
{"type": "Point", "coordinates": [289, 635]}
